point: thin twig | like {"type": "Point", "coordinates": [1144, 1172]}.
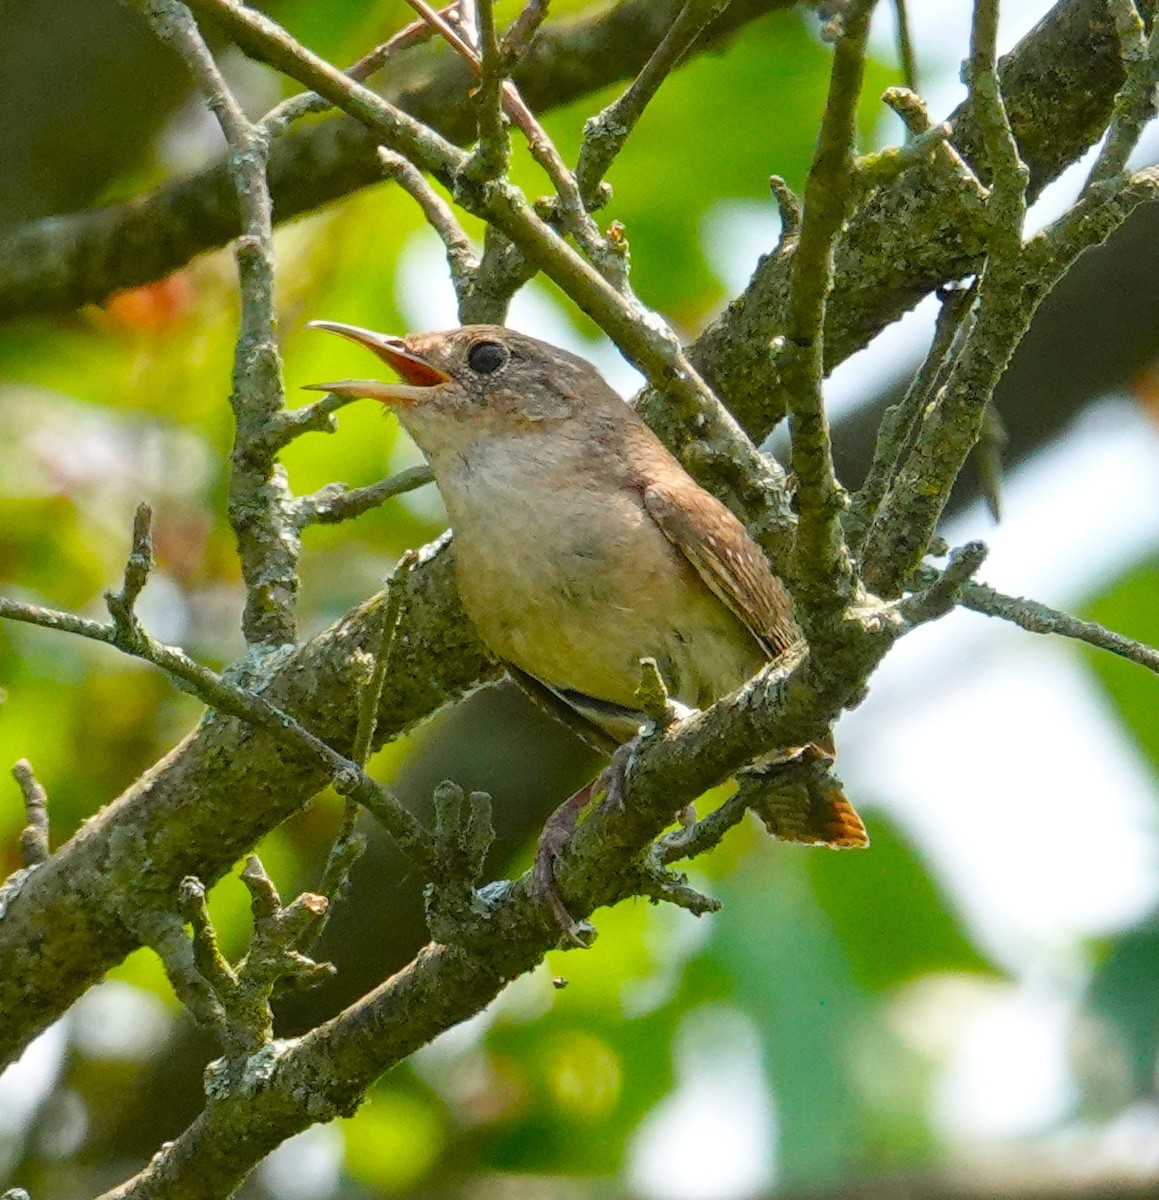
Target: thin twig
{"type": "Point", "coordinates": [821, 565]}
{"type": "Point", "coordinates": [347, 777]}
{"type": "Point", "coordinates": [911, 108]}
{"type": "Point", "coordinates": [372, 693]}
{"type": "Point", "coordinates": [34, 843]}
{"type": "Point", "coordinates": [521, 32]}
{"type": "Point", "coordinates": [315, 417]}
{"type": "Point", "coordinates": [698, 837]}
{"type": "Point", "coordinates": [788, 207]}
{"type": "Point", "coordinates": [274, 955]}
{"type": "Point", "coordinates": [348, 844]}
{"type": "Point", "coordinates": [164, 933]}
{"type": "Point", "coordinates": [1040, 618]}
{"type": "Point", "coordinates": [943, 590]}
{"type": "Point", "coordinates": [336, 503]}
{"type": "Point", "coordinates": [137, 567]}
{"type": "Point", "coordinates": [305, 104]}
{"type": "Point", "coordinates": [1006, 209]}
{"type": "Point", "coordinates": [494, 149]}
{"type": "Point", "coordinates": [883, 166]}
{"type": "Point", "coordinates": [207, 955]}
{"type": "Point", "coordinates": [1009, 293]}
{"type": "Point", "coordinates": [259, 497]}
{"type": "Point", "coordinates": [905, 50]}
{"type": "Point", "coordinates": [605, 133]}
{"type": "Point", "coordinates": [575, 214]}
{"type": "Point", "coordinates": [1135, 103]}
{"type": "Point", "coordinates": [461, 257]}
{"type": "Point", "coordinates": [899, 422]}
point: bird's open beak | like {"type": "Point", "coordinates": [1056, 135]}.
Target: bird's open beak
{"type": "Point", "coordinates": [419, 376]}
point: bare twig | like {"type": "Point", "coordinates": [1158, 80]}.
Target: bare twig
{"type": "Point", "coordinates": [521, 32]}
{"type": "Point", "coordinates": [1010, 291]}
{"type": "Point", "coordinates": [211, 964]}
{"type": "Point", "coordinates": [1135, 103]}
{"type": "Point", "coordinates": [372, 693]}
{"type": "Point", "coordinates": [164, 933]}
{"type": "Point", "coordinates": [461, 258]}
{"type": "Point", "coordinates": [895, 435]}
{"type": "Point", "coordinates": [911, 108]}
{"type": "Point", "coordinates": [315, 417]}
{"type": "Point", "coordinates": [698, 837]}
{"type": "Point", "coordinates": [1015, 279]}
{"type": "Point", "coordinates": [137, 567]}
{"type": "Point", "coordinates": [493, 150]}
{"type": "Point", "coordinates": [34, 844]}
{"type": "Point", "coordinates": [273, 954]}
{"type": "Point", "coordinates": [259, 497]}
{"type": "Point", "coordinates": [883, 166]}
{"type": "Point", "coordinates": [1039, 618]}
{"type": "Point", "coordinates": [788, 207]}
{"type": "Point", "coordinates": [347, 777]}
{"type": "Point", "coordinates": [1010, 176]}
{"type": "Point", "coordinates": [235, 1002]}
{"type": "Point", "coordinates": [348, 844]}
{"type": "Point", "coordinates": [279, 118]}
{"type": "Point", "coordinates": [905, 50]}
{"type": "Point", "coordinates": [605, 134]}
{"type": "Point", "coordinates": [821, 566]}
{"type": "Point", "coordinates": [335, 502]}
{"type": "Point", "coordinates": [542, 149]}
{"type": "Point", "coordinates": [940, 595]}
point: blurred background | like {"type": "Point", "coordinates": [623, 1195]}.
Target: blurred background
{"type": "Point", "coordinates": [973, 1001]}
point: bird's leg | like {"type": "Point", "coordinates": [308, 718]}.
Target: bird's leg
{"type": "Point", "coordinates": [557, 832]}
{"type": "Point", "coordinates": [612, 781]}
{"type": "Point", "coordinates": [657, 712]}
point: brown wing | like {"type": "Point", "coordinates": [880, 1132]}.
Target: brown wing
{"type": "Point", "coordinates": [736, 570]}
{"type": "Point", "coordinates": [726, 558]}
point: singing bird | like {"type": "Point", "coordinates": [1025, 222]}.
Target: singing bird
{"type": "Point", "coordinates": [581, 544]}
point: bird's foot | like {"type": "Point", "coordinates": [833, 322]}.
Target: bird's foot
{"type": "Point", "coordinates": [557, 832]}
{"type": "Point", "coordinates": [612, 782]}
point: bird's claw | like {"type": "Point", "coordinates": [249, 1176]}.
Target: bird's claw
{"type": "Point", "coordinates": [558, 831]}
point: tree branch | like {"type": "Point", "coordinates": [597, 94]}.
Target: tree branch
{"type": "Point", "coordinates": [925, 229]}
{"type": "Point", "coordinates": [75, 916]}
{"type": "Point", "coordinates": [821, 570]}
{"type": "Point", "coordinates": [80, 258]}
{"type": "Point", "coordinates": [504, 932]}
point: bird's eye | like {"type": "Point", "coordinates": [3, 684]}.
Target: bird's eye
{"type": "Point", "coordinates": [485, 357]}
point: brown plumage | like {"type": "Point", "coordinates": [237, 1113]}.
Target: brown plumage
{"type": "Point", "coordinates": [581, 544]}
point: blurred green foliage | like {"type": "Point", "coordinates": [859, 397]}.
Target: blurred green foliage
{"type": "Point", "coordinates": [812, 951]}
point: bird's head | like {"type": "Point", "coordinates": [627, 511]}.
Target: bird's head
{"type": "Point", "coordinates": [471, 381]}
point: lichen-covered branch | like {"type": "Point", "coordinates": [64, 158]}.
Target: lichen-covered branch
{"type": "Point", "coordinates": [76, 915]}
{"type": "Point", "coordinates": [69, 260]}
{"type": "Point", "coordinates": [606, 132]}
{"type": "Point", "coordinates": [1036, 617]}
{"type": "Point", "coordinates": [821, 570]}
{"type": "Point", "coordinates": [260, 503]}
{"type": "Point", "coordinates": [290, 1085]}
{"type": "Point", "coordinates": [928, 227]}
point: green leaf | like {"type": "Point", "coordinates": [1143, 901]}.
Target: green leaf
{"type": "Point", "coordinates": [1130, 606]}
{"type": "Point", "coordinates": [1124, 991]}
{"type": "Point", "coordinates": [889, 915]}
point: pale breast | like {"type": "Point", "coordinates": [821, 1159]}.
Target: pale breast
{"type": "Point", "coordinates": [574, 584]}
